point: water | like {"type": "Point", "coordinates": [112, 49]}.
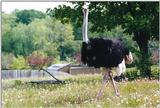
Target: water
{"type": "Point", "coordinates": [9, 74]}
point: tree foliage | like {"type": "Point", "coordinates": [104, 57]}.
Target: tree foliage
{"type": "Point", "coordinates": [46, 35]}
{"type": "Point", "coordinates": [27, 16]}
{"type": "Point", "coordinates": [137, 18]}
{"type": "Point", "coordinates": [8, 22]}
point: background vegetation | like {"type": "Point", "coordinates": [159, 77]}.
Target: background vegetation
{"type": "Point", "coordinates": [23, 36]}
{"type": "Point", "coordinates": [58, 33]}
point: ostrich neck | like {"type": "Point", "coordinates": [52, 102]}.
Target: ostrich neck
{"type": "Point", "coordinates": [85, 26]}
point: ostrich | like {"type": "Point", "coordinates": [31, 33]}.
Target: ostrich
{"type": "Point", "coordinates": [101, 52]}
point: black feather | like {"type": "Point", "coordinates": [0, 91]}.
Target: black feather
{"type": "Point", "coordinates": [100, 52]}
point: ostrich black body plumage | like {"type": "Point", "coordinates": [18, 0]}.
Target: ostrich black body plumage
{"type": "Point", "coordinates": [100, 52]}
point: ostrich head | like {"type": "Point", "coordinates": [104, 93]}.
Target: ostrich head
{"type": "Point", "coordinates": [128, 58]}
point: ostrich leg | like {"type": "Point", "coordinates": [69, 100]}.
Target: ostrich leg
{"type": "Point", "coordinates": [113, 83]}
{"type": "Point", "coordinates": [104, 81]}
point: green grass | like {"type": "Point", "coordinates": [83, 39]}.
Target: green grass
{"type": "Point", "coordinates": [79, 91]}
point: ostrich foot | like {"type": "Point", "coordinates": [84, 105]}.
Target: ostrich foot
{"type": "Point", "coordinates": [117, 94]}
{"type": "Point", "coordinates": [99, 95]}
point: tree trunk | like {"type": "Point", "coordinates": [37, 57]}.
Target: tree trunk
{"type": "Point", "coordinates": [142, 39]}
{"type": "Point", "coordinates": [145, 68]}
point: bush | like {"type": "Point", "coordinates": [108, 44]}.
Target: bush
{"type": "Point", "coordinates": [155, 72]}
{"type": "Point", "coordinates": [7, 60]}
{"type": "Point", "coordinates": [19, 63]}
{"type": "Point", "coordinates": [134, 73]}
{"type": "Point", "coordinates": [38, 60]}
{"type": "Point", "coordinates": [56, 59]}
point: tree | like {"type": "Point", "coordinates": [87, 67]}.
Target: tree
{"type": "Point", "coordinates": [15, 38]}
{"type": "Point", "coordinates": [69, 49]}
{"type": "Point", "coordinates": [60, 35]}
{"type": "Point", "coordinates": [8, 22]}
{"type": "Point", "coordinates": [139, 18]}
{"type": "Point", "coordinates": [27, 16]}
{"type": "Point", "coordinates": [45, 35]}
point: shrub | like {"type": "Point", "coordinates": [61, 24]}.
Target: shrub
{"type": "Point", "coordinates": [134, 73]}
{"type": "Point", "coordinates": [38, 60]}
{"type": "Point", "coordinates": [7, 60]}
{"type": "Point", "coordinates": [19, 63]}
{"type": "Point", "coordinates": [56, 59]}
{"type": "Point", "coordinates": [155, 71]}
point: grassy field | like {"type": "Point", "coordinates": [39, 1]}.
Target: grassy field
{"type": "Point", "coordinates": [79, 91]}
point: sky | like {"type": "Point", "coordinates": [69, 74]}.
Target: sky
{"type": "Point", "coordinates": [8, 7]}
